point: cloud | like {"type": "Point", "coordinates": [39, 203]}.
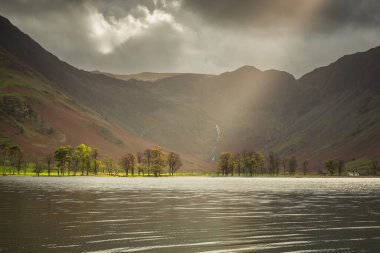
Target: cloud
{"type": "Point", "coordinates": [110, 34]}
{"type": "Point", "coordinates": [198, 36]}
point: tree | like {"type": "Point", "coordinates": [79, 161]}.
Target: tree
{"type": "Point", "coordinates": [95, 154]}
{"type": "Point", "coordinates": [293, 165]}
{"type": "Point", "coordinates": [249, 163]}
{"type": "Point", "coordinates": [260, 161]}
{"type": "Point", "coordinates": [284, 163]}
{"type": "Point", "coordinates": [331, 166]}
{"type": "Point", "coordinates": [83, 153]}
{"type": "Point", "coordinates": [158, 161]}
{"type": "Point", "coordinates": [340, 167]}
{"type": "Point", "coordinates": [4, 149]}
{"type": "Point", "coordinates": [14, 153]}
{"type": "Point", "coordinates": [174, 162]}
{"type": "Point", "coordinates": [147, 159]}
{"type": "Point", "coordinates": [305, 165]}
{"type": "Point", "coordinates": [225, 163]}
{"type": "Point", "coordinates": [374, 166]}
{"type": "Point", "coordinates": [63, 155]}
{"type": "Point", "coordinates": [110, 165]}
{"type": "Point", "coordinates": [49, 159]}
{"type": "Point", "coordinates": [237, 163]}
{"type": "Point", "coordinates": [273, 163]}
{"type": "Point", "coordinates": [140, 157]}
{"type": "Point", "coordinates": [129, 162]}
{"type": "Point", "coordinates": [38, 168]}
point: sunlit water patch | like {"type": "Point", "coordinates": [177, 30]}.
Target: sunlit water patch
{"type": "Point", "coordinates": [192, 214]}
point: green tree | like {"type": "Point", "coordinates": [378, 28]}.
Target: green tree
{"type": "Point", "coordinates": [62, 156]}
{"type": "Point", "coordinates": [174, 162]}
{"type": "Point", "coordinates": [110, 165]}
{"type": "Point", "coordinates": [158, 161]}
{"type": "Point", "coordinates": [260, 161]}
{"type": "Point", "coordinates": [249, 163]}
{"type": "Point", "coordinates": [331, 166]}
{"type": "Point", "coordinates": [237, 159]}
{"type": "Point", "coordinates": [83, 152]}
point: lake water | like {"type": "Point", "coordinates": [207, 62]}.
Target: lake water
{"type": "Point", "coordinates": [189, 214]}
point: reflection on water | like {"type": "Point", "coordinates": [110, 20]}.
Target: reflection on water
{"type": "Point", "coordinates": [80, 214]}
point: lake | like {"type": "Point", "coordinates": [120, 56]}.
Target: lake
{"type": "Point", "coordinates": [189, 214]}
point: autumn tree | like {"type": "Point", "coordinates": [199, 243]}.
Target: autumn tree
{"type": "Point", "coordinates": [140, 157]}
{"type": "Point", "coordinates": [147, 160]}
{"type": "Point", "coordinates": [174, 162]}
{"type": "Point", "coordinates": [129, 163]}
{"type": "Point", "coordinates": [225, 163]}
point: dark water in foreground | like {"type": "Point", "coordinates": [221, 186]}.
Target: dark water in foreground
{"type": "Point", "coordinates": [189, 215]}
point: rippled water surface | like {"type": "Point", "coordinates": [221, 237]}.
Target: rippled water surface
{"type": "Point", "coordinates": [89, 214]}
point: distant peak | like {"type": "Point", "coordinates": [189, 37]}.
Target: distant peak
{"type": "Point", "coordinates": [247, 68]}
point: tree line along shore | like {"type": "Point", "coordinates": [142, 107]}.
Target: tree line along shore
{"type": "Point", "coordinates": [84, 160]}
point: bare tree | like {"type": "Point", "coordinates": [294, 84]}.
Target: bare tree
{"type": "Point", "coordinates": [293, 164]}
{"type": "Point", "coordinates": [340, 167]}
{"type": "Point", "coordinates": [174, 162]}
{"type": "Point", "coordinates": [305, 165]}
{"type": "Point", "coordinates": [374, 166]}
{"type": "Point", "coordinates": [284, 164]}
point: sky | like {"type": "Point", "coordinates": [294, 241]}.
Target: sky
{"type": "Point", "coordinates": [198, 36]}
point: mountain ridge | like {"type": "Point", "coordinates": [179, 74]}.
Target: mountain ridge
{"type": "Point", "coordinates": [323, 114]}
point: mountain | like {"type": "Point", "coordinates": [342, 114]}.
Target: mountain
{"type": "Point", "coordinates": [331, 112]}
{"type": "Point", "coordinates": [143, 76]}
{"type": "Point", "coordinates": [45, 102]}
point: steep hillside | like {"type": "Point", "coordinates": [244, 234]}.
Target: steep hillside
{"type": "Point", "coordinates": [37, 114]}
{"type": "Point", "coordinates": [331, 112]}
{"type": "Point", "coordinates": [340, 113]}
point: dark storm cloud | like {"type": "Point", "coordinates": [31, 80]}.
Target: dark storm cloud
{"type": "Point", "coordinates": [208, 36]}
{"type": "Point", "coordinates": [332, 14]}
